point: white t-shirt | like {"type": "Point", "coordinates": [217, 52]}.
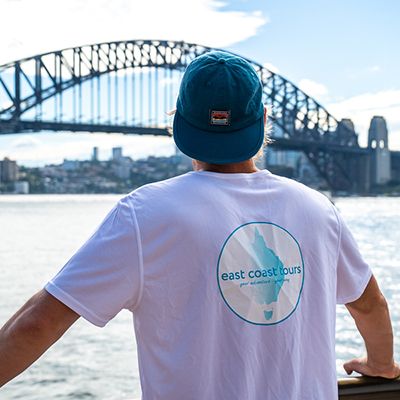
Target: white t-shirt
{"type": "Point", "coordinates": [233, 281]}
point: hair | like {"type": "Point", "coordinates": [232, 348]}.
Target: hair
{"type": "Point", "coordinates": [258, 155]}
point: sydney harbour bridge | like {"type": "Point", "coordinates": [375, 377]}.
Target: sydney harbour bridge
{"type": "Point", "coordinates": [127, 87]}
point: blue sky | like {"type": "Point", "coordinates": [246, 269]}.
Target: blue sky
{"type": "Point", "coordinates": [344, 53]}
{"type": "Point", "coordinates": [349, 46]}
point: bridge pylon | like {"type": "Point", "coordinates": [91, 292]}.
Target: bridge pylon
{"type": "Point", "coordinates": [378, 143]}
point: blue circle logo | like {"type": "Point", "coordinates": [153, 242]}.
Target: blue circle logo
{"type": "Point", "coordinates": [261, 273]}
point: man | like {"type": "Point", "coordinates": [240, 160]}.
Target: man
{"type": "Point", "coordinates": [232, 273]}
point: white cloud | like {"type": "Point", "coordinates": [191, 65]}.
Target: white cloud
{"type": "Point", "coordinates": [374, 68]}
{"type": "Point", "coordinates": [363, 107]}
{"type": "Point", "coordinates": [313, 89]}
{"type": "Point", "coordinates": [25, 141]}
{"type": "Point", "coordinates": [45, 25]}
{"type": "Point", "coordinates": [271, 67]}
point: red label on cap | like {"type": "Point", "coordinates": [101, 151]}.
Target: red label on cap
{"type": "Point", "coordinates": [220, 117]}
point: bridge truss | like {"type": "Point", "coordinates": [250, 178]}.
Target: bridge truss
{"type": "Point", "coordinates": [127, 87]}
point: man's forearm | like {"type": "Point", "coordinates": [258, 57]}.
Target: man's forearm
{"type": "Point", "coordinates": [30, 332]}
{"type": "Point", "coordinates": [21, 343]}
{"type": "Point", "coordinates": [376, 329]}
{"type": "Point", "coordinates": [372, 318]}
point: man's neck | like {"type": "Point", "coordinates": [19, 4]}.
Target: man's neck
{"type": "Point", "coordinates": [247, 166]}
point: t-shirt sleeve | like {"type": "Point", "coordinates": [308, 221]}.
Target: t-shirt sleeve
{"type": "Point", "coordinates": [104, 275]}
{"type": "Point", "coordinates": [353, 273]}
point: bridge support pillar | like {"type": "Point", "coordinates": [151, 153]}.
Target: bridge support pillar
{"type": "Point", "coordinates": [359, 170]}
{"type": "Point", "coordinates": [378, 139]}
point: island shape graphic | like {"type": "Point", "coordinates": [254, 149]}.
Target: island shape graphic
{"type": "Point", "coordinates": [267, 293]}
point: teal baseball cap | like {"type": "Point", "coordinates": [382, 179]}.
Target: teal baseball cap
{"type": "Point", "coordinates": [219, 115]}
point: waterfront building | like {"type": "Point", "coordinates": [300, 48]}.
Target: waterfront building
{"type": "Point", "coordinates": [95, 154]}
{"type": "Point", "coordinates": [21, 187]}
{"type": "Point", "coordinates": [70, 165]}
{"type": "Point", "coordinates": [307, 173]}
{"type": "Point", "coordinates": [8, 170]}
{"type": "Point", "coordinates": [122, 168]}
{"type": "Point", "coordinates": [117, 153]}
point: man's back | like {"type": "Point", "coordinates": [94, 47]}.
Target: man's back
{"type": "Point", "coordinates": [233, 286]}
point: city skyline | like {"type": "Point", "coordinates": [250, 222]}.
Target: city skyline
{"type": "Point", "coordinates": [329, 50]}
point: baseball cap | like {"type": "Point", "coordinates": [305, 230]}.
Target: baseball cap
{"type": "Point", "coordinates": [219, 115]}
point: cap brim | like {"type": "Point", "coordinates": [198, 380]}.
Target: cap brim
{"type": "Point", "coordinates": [218, 147]}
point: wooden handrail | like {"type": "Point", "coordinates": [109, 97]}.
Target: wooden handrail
{"type": "Point", "coordinates": [365, 388]}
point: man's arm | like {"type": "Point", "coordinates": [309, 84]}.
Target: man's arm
{"type": "Point", "coordinates": [39, 323]}
{"type": "Point", "coordinates": [372, 318]}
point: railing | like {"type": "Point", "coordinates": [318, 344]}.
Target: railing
{"type": "Point", "coordinates": [365, 388]}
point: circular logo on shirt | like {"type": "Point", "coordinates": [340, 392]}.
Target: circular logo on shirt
{"type": "Point", "coordinates": [261, 273]}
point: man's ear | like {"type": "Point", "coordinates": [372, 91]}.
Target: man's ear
{"type": "Point", "coordinates": [265, 115]}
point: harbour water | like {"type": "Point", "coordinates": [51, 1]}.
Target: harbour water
{"type": "Point", "coordinates": [39, 233]}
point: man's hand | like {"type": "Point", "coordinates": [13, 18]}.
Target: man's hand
{"type": "Point", "coordinates": [364, 367]}
{"type": "Point", "coordinates": [30, 332]}
{"type": "Point", "coordinates": [372, 318]}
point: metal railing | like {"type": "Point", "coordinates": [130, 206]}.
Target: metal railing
{"type": "Point", "coordinates": [365, 388]}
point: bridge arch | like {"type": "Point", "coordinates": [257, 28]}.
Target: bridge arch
{"type": "Point", "coordinates": [27, 84]}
